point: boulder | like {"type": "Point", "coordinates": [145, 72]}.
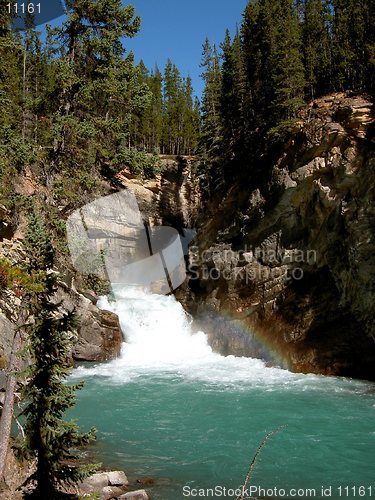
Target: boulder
{"type": "Point", "coordinates": [99, 333]}
{"type": "Point", "coordinates": [135, 495]}
{"type": "Point", "coordinates": [117, 478]}
{"type": "Point", "coordinates": [100, 336]}
{"type": "Point", "coordinates": [109, 492]}
{"type": "Point", "coordinates": [94, 483]}
{"type": "Point", "coordinates": [108, 484]}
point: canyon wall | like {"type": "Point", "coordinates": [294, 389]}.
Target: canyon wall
{"type": "Point", "coordinates": [292, 262]}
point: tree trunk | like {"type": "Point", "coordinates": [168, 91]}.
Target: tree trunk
{"type": "Point", "coordinates": [8, 407]}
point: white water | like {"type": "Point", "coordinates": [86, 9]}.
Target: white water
{"type": "Point", "coordinates": [159, 341]}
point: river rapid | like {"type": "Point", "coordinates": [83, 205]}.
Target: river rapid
{"type": "Point", "coordinates": [171, 409]}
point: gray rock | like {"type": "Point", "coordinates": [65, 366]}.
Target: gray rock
{"type": "Point", "coordinates": [117, 478]}
{"type": "Point", "coordinates": [99, 335]}
{"type": "Point", "coordinates": [94, 483]}
{"type": "Point", "coordinates": [135, 495]}
{"type": "Point", "coordinates": [109, 492]}
{"type": "Point", "coordinates": [6, 340]}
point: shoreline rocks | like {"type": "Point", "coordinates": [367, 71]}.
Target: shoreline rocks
{"type": "Point", "coordinates": [110, 485]}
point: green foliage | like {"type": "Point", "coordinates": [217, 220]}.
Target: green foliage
{"type": "Point", "coordinates": [317, 47]}
{"type": "Point", "coordinates": [15, 278]}
{"type": "Point", "coordinates": [145, 166]}
{"type": "Point", "coordinates": [96, 284]}
{"type": "Point", "coordinates": [76, 105]}
{"type": "Point", "coordinates": [90, 496]}
{"type": "Point", "coordinates": [286, 51]}
{"type": "Point", "coordinates": [50, 439]}
{"type": "Point", "coordinates": [280, 133]}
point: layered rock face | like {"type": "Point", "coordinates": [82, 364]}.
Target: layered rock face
{"type": "Point", "coordinates": [173, 198]}
{"type": "Point", "coordinates": [294, 259]}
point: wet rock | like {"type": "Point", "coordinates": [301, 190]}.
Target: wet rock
{"type": "Point", "coordinates": [99, 334]}
{"type": "Point", "coordinates": [104, 484]}
{"type": "Point", "coordinates": [146, 481]}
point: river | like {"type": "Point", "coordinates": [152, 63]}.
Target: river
{"type": "Point", "coordinates": [171, 409]}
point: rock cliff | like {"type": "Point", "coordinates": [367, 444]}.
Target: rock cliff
{"type": "Point", "coordinates": [173, 198]}
{"type": "Point", "coordinates": [292, 259]}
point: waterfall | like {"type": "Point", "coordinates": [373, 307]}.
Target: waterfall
{"type": "Point", "coordinates": [160, 340]}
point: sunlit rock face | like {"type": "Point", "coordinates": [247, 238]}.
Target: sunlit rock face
{"type": "Point", "coordinates": [294, 258]}
{"type": "Point", "coordinates": [173, 198]}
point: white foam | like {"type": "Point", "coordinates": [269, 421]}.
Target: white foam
{"type": "Point", "coordinates": [159, 341]}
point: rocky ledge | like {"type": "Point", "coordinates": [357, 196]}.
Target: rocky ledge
{"type": "Point", "coordinates": [99, 332]}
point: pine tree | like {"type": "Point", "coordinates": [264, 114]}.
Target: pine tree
{"type": "Point", "coordinates": [156, 85]}
{"type": "Point", "coordinates": [141, 121]}
{"type": "Point", "coordinates": [190, 124]}
{"type": "Point", "coordinates": [233, 96]}
{"type": "Point", "coordinates": [286, 61]}
{"type": "Point", "coordinates": [211, 114]}
{"type": "Point", "coordinates": [317, 48]}
{"type": "Point", "coordinates": [210, 143]}
{"type": "Point", "coordinates": [172, 119]}
{"type": "Point", "coordinates": [49, 439]}
{"type": "Point", "coordinates": [10, 74]}
{"type": "Point", "coordinates": [97, 90]}
{"type": "Point", "coordinates": [343, 50]}
{"type": "Point", "coordinates": [227, 99]}
{"type": "Point", "coordinates": [256, 33]}
{"type": "Point", "coordinates": [370, 47]}
{"type": "Point", "coordinates": [272, 44]}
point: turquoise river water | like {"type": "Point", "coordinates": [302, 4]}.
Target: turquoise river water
{"type": "Point", "coordinates": [171, 409]}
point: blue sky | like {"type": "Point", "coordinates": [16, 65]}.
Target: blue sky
{"type": "Point", "coordinates": [178, 28]}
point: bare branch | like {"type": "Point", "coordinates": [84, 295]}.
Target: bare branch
{"type": "Point", "coordinates": [253, 462]}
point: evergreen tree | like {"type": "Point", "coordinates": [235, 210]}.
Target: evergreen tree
{"type": "Point", "coordinates": [98, 90]}
{"type": "Point", "coordinates": [286, 63]}
{"type": "Point", "coordinates": [370, 47]}
{"type": "Point", "coordinates": [317, 48]}
{"type": "Point", "coordinates": [172, 91]}
{"type": "Point", "coordinates": [272, 44]}
{"type": "Point", "coordinates": [343, 50]}
{"type": "Point", "coordinates": [49, 439]}
{"type": "Point", "coordinates": [10, 75]}
{"type": "Point", "coordinates": [156, 111]}
{"type": "Point", "coordinates": [211, 105]}
{"type": "Point", "coordinates": [141, 121]}
{"type": "Point", "coordinates": [189, 118]}
{"type": "Point", "coordinates": [233, 96]}
{"type": "Point", "coordinates": [210, 143]}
